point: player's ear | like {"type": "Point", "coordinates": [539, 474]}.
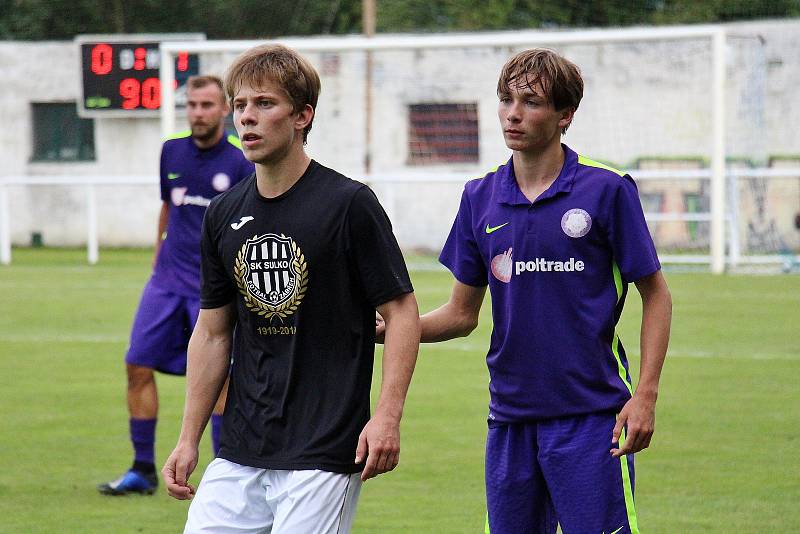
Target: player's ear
{"type": "Point", "coordinates": [304, 117]}
{"type": "Point", "coordinates": [567, 114]}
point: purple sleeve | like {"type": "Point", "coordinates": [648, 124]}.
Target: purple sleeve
{"type": "Point", "coordinates": [163, 177]}
{"type": "Point", "coordinates": [216, 287]}
{"type": "Point", "coordinates": [460, 253]}
{"type": "Point", "coordinates": [632, 246]}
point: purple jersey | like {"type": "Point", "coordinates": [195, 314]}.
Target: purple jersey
{"type": "Point", "coordinates": [190, 178]}
{"type": "Point", "coordinates": [558, 271]}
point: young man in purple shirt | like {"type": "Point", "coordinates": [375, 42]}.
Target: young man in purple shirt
{"type": "Point", "coordinates": [196, 166]}
{"type": "Point", "coordinates": [557, 238]}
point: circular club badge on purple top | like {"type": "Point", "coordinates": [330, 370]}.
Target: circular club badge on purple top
{"type": "Point", "coordinates": [576, 222]}
{"type": "Point", "coordinates": [221, 181]}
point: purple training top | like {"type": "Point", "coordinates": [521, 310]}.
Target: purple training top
{"type": "Point", "coordinates": [190, 178]}
{"type": "Point", "coordinates": [558, 272]}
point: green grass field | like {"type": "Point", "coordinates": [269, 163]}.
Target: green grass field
{"type": "Point", "coordinates": [724, 458]}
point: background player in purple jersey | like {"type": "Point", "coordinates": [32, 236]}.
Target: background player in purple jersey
{"type": "Point", "coordinates": [195, 166]}
{"type": "Point", "coordinates": [557, 238]}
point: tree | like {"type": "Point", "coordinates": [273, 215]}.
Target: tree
{"type": "Point", "coordinates": [251, 19]}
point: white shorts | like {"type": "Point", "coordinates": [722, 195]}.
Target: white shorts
{"type": "Point", "coordinates": [241, 499]}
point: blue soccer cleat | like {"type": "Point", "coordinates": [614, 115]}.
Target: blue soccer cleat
{"type": "Point", "coordinates": [131, 482]}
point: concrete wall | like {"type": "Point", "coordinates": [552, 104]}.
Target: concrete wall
{"type": "Point", "coordinates": [642, 101]}
{"type": "Point", "coordinates": [49, 72]}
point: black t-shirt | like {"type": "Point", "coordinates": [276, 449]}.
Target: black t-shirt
{"type": "Point", "coordinates": [307, 270]}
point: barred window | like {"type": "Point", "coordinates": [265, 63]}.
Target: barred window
{"type": "Point", "coordinates": [59, 134]}
{"type": "Point", "coordinates": [443, 133]}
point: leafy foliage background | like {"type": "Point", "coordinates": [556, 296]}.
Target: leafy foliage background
{"type": "Point", "coordinates": [251, 19]}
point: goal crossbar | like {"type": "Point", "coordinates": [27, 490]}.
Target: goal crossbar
{"type": "Point", "coordinates": [715, 33]}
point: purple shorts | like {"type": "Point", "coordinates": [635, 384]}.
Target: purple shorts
{"type": "Point", "coordinates": [558, 471]}
{"type": "Point", "coordinates": [161, 330]}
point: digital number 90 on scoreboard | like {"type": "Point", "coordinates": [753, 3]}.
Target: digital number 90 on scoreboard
{"type": "Point", "coordinates": [122, 78]}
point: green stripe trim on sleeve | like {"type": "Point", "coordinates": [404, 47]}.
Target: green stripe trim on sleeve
{"type": "Point", "coordinates": [482, 176]}
{"type": "Point", "coordinates": [620, 367]}
{"type": "Point", "coordinates": [627, 489]}
{"type": "Point", "coordinates": [179, 135]}
{"type": "Point", "coordinates": [626, 476]}
{"type": "Point", "coordinates": [583, 160]}
{"type": "Point", "coordinates": [235, 141]}
{"type": "Point", "coordinates": [617, 280]}
{"type": "Point", "coordinates": [615, 341]}
{"type": "Point", "coordinates": [486, 529]}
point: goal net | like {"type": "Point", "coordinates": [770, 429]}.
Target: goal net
{"type": "Point", "coordinates": [689, 112]}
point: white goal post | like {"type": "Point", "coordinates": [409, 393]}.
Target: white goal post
{"type": "Point", "coordinates": [715, 34]}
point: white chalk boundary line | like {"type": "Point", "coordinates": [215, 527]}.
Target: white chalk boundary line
{"type": "Point", "coordinates": [63, 338]}
{"type": "Point", "coordinates": [460, 347]}
{"type": "Point", "coordinates": [684, 354]}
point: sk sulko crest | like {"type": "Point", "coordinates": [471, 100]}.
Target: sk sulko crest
{"type": "Point", "coordinates": [272, 275]}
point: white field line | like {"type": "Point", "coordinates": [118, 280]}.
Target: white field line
{"type": "Point", "coordinates": [460, 347]}
{"type": "Point", "coordinates": [88, 285]}
{"type": "Point", "coordinates": [690, 354]}
{"type": "Point", "coordinates": [63, 338]}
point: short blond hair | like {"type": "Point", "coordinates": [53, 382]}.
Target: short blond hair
{"type": "Point", "coordinates": [559, 78]}
{"type": "Point", "coordinates": [280, 65]}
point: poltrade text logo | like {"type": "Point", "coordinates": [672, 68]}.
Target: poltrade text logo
{"type": "Point", "coordinates": [544, 265]}
{"type": "Point", "coordinates": [503, 266]}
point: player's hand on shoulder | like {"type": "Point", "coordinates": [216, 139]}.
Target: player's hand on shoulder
{"type": "Point", "coordinates": [379, 445]}
{"type": "Point", "coordinates": [380, 328]}
{"type": "Point", "coordinates": [639, 414]}
{"type": "Point", "coordinates": [177, 469]}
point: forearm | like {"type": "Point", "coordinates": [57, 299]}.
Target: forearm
{"type": "Point", "coordinates": [445, 323]}
{"type": "Point", "coordinates": [638, 414]}
{"type": "Point", "coordinates": [656, 319]}
{"type": "Point", "coordinates": [400, 350]}
{"type": "Point", "coordinates": [208, 363]}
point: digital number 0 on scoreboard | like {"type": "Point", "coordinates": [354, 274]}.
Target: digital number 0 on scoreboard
{"type": "Point", "coordinates": [120, 74]}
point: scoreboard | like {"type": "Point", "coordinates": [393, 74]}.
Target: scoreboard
{"type": "Point", "coordinates": [120, 75]}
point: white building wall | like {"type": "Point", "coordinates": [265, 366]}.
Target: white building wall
{"type": "Point", "coordinates": [50, 72]}
{"type": "Point", "coordinates": [641, 100]}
